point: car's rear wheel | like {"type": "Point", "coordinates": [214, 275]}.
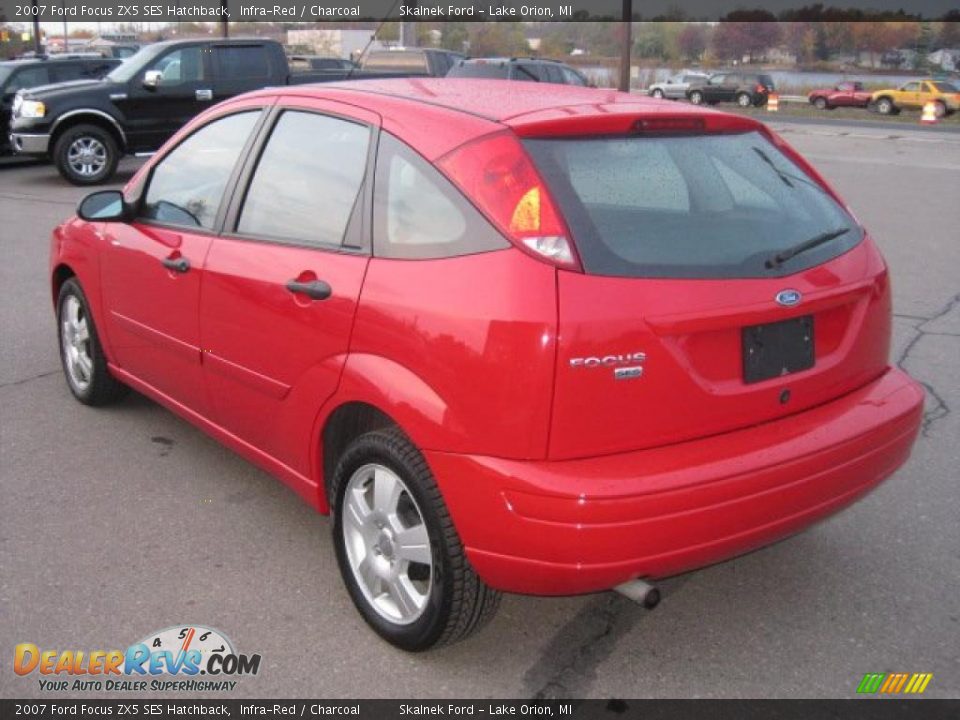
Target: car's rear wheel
{"type": "Point", "coordinates": [399, 554]}
{"type": "Point", "coordinates": [743, 100]}
{"type": "Point", "coordinates": [86, 154]}
{"type": "Point", "coordinates": [84, 364]}
{"type": "Point", "coordinates": [696, 97]}
{"type": "Point", "coordinates": [885, 106]}
{"type": "Point", "coordinates": [820, 103]}
{"type": "Point", "coordinates": [939, 109]}
{"type": "Point", "coordinates": [657, 93]}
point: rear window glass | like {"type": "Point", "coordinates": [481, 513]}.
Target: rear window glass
{"type": "Point", "coordinates": [689, 206]}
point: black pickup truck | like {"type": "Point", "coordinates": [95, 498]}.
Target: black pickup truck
{"type": "Point", "coordinates": [85, 126]}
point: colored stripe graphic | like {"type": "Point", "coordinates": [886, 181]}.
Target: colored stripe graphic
{"type": "Point", "coordinates": [894, 683]}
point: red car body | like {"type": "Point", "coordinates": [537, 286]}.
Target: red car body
{"type": "Point", "coordinates": [558, 479]}
{"type": "Point", "coordinates": [845, 94]}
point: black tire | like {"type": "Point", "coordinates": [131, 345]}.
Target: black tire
{"type": "Point", "coordinates": [696, 97]}
{"type": "Point", "coordinates": [744, 100]}
{"type": "Point", "coordinates": [820, 103]}
{"type": "Point", "coordinates": [939, 109]}
{"type": "Point", "coordinates": [101, 388]}
{"type": "Point", "coordinates": [458, 603]}
{"type": "Point", "coordinates": [102, 166]}
{"type": "Point", "coordinates": [657, 93]}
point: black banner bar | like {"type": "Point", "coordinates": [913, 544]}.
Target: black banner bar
{"type": "Point", "coordinates": [138, 11]}
{"type": "Point", "coordinates": [857, 709]}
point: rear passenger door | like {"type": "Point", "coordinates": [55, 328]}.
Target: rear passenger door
{"type": "Point", "coordinates": [281, 283]}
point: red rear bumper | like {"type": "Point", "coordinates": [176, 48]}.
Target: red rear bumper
{"type": "Point", "coordinates": [557, 528]}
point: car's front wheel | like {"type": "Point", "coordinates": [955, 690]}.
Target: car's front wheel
{"type": "Point", "coordinates": [86, 155]}
{"type": "Point", "coordinates": [743, 100]}
{"type": "Point", "coordinates": [84, 364]}
{"type": "Point", "coordinates": [885, 106]}
{"type": "Point", "coordinates": [399, 554]}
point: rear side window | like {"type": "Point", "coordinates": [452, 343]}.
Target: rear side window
{"type": "Point", "coordinates": [243, 61]}
{"type": "Point", "coordinates": [66, 71]}
{"type": "Point", "coordinates": [704, 206]}
{"type": "Point", "coordinates": [307, 180]}
{"type": "Point", "coordinates": [419, 214]}
{"type": "Point", "coordinates": [571, 77]}
{"type": "Point", "coordinates": [186, 187]}
{"type": "Point", "coordinates": [527, 71]}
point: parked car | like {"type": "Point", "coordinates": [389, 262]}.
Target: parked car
{"type": "Point", "coordinates": [84, 127]}
{"type": "Point", "coordinates": [845, 94]}
{"type": "Point", "coordinates": [478, 321]}
{"type": "Point", "coordinates": [745, 89]}
{"type": "Point", "coordinates": [430, 62]}
{"type": "Point", "coordinates": [676, 87]}
{"type": "Point", "coordinates": [528, 69]}
{"type": "Point", "coordinates": [18, 75]}
{"type": "Point", "coordinates": [915, 94]}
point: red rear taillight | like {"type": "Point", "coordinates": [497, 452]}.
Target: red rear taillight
{"type": "Point", "coordinates": [496, 173]}
{"type": "Point", "coordinates": [760, 88]}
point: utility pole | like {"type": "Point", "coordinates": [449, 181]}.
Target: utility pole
{"type": "Point", "coordinates": [37, 45]}
{"type": "Point", "coordinates": [408, 30]}
{"type": "Point", "coordinates": [625, 45]}
{"type": "Point", "coordinates": [66, 41]}
{"type": "Point", "coordinates": [225, 22]}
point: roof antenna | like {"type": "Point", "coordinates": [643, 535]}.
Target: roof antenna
{"type": "Point", "coordinates": [370, 41]}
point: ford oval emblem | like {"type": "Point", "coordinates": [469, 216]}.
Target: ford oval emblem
{"type": "Point", "coordinates": [788, 298]}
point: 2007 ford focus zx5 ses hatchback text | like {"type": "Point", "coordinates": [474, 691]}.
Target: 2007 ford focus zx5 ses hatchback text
{"type": "Point", "coordinates": [555, 341]}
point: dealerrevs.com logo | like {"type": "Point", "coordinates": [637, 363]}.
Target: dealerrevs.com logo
{"type": "Point", "coordinates": [189, 658]}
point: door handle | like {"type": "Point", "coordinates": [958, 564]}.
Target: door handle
{"type": "Point", "coordinates": [314, 289]}
{"type": "Point", "coordinates": [204, 94]}
{"type": "Point", "coordinates": [177, 264]}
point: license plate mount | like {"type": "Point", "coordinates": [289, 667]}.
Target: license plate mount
{"type": "Point", "coordinates": [777, 349]}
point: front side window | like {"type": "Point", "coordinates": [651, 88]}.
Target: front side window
{"type": "Point", "coordinates": [419, 214]}
{"type": "Point", "coordinates": [186, 187]}
{"type": "Point", "coordinates": [179, 67]}
{"type": "Point", "coordinates": [307, 180]}
{"type": "Point", "coordinates": [689, 206]}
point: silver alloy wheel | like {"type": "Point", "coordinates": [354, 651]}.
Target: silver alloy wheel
{"type": "Point", "coordinates": [387, 544]}
{"type": "Point", "coordinates": [743, 100]}
{"type": "Point", "coordinates": [86, 156]}
{"type": "Point", "coordinates": [696, 98]}
{"type": "Point", "coordinates": [884, 107]}
{"type": "Point", "coordinates": [75, 340]}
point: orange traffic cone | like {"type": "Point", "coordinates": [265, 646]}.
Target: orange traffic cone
{"type": "Point", "coordinates": [773, 102]}
{"type": "Point", "coordinates": [929, 116]}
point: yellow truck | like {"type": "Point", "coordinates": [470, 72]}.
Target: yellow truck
{"type": "Point", "coordinates": [915, 94]}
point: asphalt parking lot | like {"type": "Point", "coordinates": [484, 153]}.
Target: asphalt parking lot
{"type": "Point", "coordinates": [122, 521]}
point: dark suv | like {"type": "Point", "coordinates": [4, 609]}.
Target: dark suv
{"type": "Point", "coordinates": [529, 69]}
{"type": "Point", "coordinates": [745, 89]}
{"type": "Point", "coordinates": [23, 74]}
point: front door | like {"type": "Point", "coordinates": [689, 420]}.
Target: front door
{"type": "Point", "coordinates": [281, 285]}
{"type": "Point", "coordinates": [152, 269]}
{"type": "Point", "coordinates": [183, 90]}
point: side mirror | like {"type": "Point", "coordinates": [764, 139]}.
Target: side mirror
{"type": "Point", "coordinates": [152, 78]}
{"type": "Point", "coordinates": [104, 205]}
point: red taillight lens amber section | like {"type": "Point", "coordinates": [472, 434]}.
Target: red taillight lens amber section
{"type": "Point", "coordinates": [496, 173]}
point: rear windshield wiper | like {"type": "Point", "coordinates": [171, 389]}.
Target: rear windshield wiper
{"type": "Point", "coordinates": [784, 255]}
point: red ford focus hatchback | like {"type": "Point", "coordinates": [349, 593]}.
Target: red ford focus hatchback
{"type": "Point", "coordinates": [549, 341]}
